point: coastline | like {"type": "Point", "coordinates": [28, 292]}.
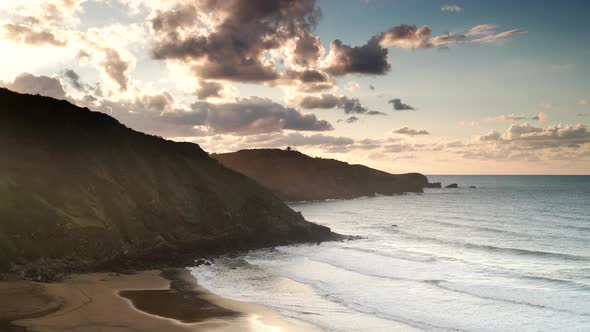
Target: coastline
{"type": "Point", "coordinates": [147, 301]}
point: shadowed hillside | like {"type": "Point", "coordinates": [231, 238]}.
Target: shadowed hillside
{"type": "Point", "coordinates": [294, 176]}
{"type": "Point", "coordinates": [79, 190]}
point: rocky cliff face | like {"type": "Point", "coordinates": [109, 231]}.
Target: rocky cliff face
{"type": "Point", "coordinates": [294, 176]}
{"type": "Point", "coordinates": [79, 190]}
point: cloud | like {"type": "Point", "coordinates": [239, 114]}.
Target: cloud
{"type": "Point", "coordinates": [352, 86]}
{"type": "Point", "coordinates": [491, 136]}
{"type": "Point", "coordinates": [507, 117]}
{"type": "Point", "coordinates": [42, 85]}
{"type": "Point", "coordinates": [494, 37]}
{"type": "Point", "coordinates": [410, 132]}
{"type": "Point", "coordinates": [412, 36]}
{"type": "Point", "coordinates": [351, 119]}
{"type": "Point", "coordinates": [297, 139]}
{"type": "Point", "coordinates": [327, 101]}
{"type": "Point", "coordinates": [407, 36]}
{"type": "Point", "coordinates": [308, 49]}
{"type": "Point", "coordinates": [547, 105]}
{"type": "Point", "coordinates": [526, 136]}
{"type": "Point", "coordinates": [74, 79]}
{"type": "Point", "coordinates": [308, 80]}
{"type": "Point", "coordinates": [158, 103]}
{"type": "Point", "coordinates": [541, 116]}
{"type": "Point", "coordinates": [451, 8]}
{"type": "Point", "coordinates": [209, 90]}
{"type": "Point", "coordinates": [116, 68]}
{"type": "Point", "coordinates": [241, 32]}
{"type": "Point", "coordinates": [26, 35]}
{"type": "Point", "coordinates": [396, 148]}
{"type": "Point", "coordinates": [370, 58]}
{"type": "Point", "coordinates": [248, 116]}
{"type": "Point", "coordinates": [399, 106]}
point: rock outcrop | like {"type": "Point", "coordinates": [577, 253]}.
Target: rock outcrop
{"type": "Point", "coordinates": [79, 191]}
{"type": "Point", "coordinates": [294, 176]}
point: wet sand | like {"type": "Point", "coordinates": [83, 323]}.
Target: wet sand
{"type": "Point", "coordinates": [147, 301]}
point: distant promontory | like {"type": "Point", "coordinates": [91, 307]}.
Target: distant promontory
{"type": "Point", "coordinates": [294, 176]}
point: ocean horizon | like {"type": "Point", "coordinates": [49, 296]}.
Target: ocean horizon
{"type": "Point", "coordinates": [511, 254]}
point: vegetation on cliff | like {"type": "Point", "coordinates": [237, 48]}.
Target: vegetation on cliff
{"type": "Point", "coordinates": [78, 190]}
{"type": "Point", "coordinates": [294, 176]}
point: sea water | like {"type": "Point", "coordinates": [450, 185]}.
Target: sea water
{"type": "Point", "coordinates": [512, 254]}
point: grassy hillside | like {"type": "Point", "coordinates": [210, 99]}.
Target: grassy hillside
{"type": "Point", "coordinates": [79, 190]}
{"type": "Point", "coordinates": [294, 176]}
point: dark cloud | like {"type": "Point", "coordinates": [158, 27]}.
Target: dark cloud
{"type": "Point", "coordinates": [309, 80]}
{"type": "Point", "coordinates": [307, 50]}
{"type": "Point", "coordinates": [352, 119]}
{"type": "Point", "coordinates": [310, 76]}
{"type": "Point", "coordinates": [234, 49]}
{"type": "Point", "coordinates": [407, 36]}
{"type": "Point", "coordinates": [248, 116]}
{"type": "Point", "coordinates": [24, 34]}
{"type": "Point", "coordinates": [42, 85]}
{"type": "Point", "coordinates": [116, 68]}
{"type": "Point", "coordinates": [74, 79]}
{"type": "Point", "coordinates": [209, 90]}
{"type": "Point", "coordinates": [370, 58]}
{"type": "Point", "coordinates": [169, 21]}
{"type": "Point", "coordinates": [76, 82]}
{"type": "Point", "coordinates": [375, 113]}
{"type": "Point", "coordinates": [159, 103]}
{"type": "Point", "coordinates": [399, 106]}
{"type": "Point", "coordinates": [327, 101]}
{"type": "Point", "coordinates": [411, 132]}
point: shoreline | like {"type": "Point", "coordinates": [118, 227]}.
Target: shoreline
{"type": "Point", "coordinates": [148, 301]}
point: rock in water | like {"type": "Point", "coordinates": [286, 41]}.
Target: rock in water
{"type": "Point", "coordinates": [294, 176]}
{"type": "Point", "coordinates": [452, 185]}
{"type": "Point", "coordinates": [80, 190]}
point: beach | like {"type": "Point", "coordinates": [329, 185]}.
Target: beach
{"type": "Point", "coordinates": [169, 300]}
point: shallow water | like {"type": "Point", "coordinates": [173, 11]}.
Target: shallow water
{"type": "Point", "coordinates": [512, 254]}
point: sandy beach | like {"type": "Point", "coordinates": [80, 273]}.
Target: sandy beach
{"type": "Point", "coordinates": [147, 301]}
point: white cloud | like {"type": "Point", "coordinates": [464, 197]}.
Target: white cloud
{"type": "Point", "coordinates": [451, 8]}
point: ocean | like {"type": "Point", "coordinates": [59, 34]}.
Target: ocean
{"type": "Point", "coordinates": [512, 254]}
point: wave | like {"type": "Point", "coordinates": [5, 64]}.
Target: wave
{"type": "Point", "coordinates": [514, 251]}
{"type": "Point", "coordinates": [389, 255]}
{"type": "Point", "coordinates": [577, 228]}
{"type": "Point", "coordinates": [487, 229]}
{"type": "Point", "coordinates": [439, 283]}
{"type": "Point", "coordinates": [562, 282]}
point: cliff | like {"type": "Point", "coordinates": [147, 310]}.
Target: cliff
{"type": "Point", "coordinates": [80, 191]}
{"type": "Point", "coordinates": [294, 176]}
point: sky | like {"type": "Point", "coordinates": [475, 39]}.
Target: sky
{"type": "Point", "coordinates": [437, 87]}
